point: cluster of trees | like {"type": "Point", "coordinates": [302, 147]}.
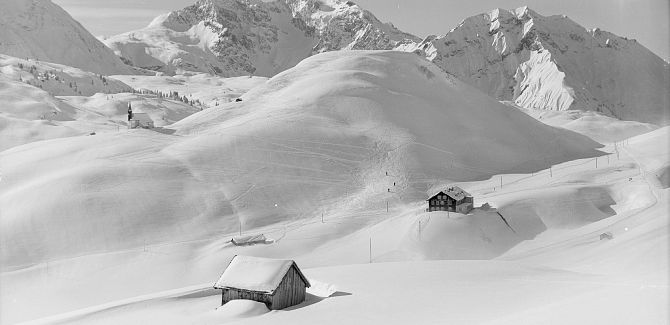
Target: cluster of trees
{"type": "Point", "coordinates": [40, 77]}
{"type": "Point", "coordinates": [174, 95]}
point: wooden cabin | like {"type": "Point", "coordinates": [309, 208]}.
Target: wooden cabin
{"type": "Point", "coordinates": [453, 199]}
{"type": "Point", "coordinates": [276, 283]}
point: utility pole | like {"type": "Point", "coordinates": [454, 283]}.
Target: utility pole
{"type": "Point", "coordinates": [596, 162]}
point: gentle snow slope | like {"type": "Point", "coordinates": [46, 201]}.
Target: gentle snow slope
{"type": "Point", "coordinates": [40, 29]}
{"type": "Point", "coordinates": [58, 79]}
{"type": "Point", "coordinates": [565, 275]}
{"type": "Point", "coordinates": [342, 133]}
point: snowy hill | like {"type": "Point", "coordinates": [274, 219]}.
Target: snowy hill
{"type": "Point", "coordinates": [311, 159]}
{"type": "Point", "coordinates": [58, 79]}
{"type": "Point", "coordinates": [324, 131]}
{"type": "Point", "coordinates": [553, 63]}
{"type": "Point", "coordinates": [41, 30]}
{"type": "Point", "coordinates": [252, 37]}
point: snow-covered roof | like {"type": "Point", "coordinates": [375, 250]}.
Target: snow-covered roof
{"type": "Point", "coordinates": [256, 274]}
{"type": "Point", "coordinates": [247, 240]}
{"type": "Point", "coordinates": [455, 193]}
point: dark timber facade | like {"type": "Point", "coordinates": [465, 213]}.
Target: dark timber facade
{"type": "Point", "coordinates": [453, 199]}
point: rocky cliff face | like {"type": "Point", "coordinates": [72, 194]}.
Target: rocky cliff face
{"type": "Point", "coordinates": [240, 37]}
{"type": "Point", "coordinates": [553, 63]}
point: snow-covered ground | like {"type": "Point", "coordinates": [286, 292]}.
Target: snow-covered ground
{"type": "Point", "coordinates": [564, 274]}
{"type": "Point", "coordinates": [134, 226]}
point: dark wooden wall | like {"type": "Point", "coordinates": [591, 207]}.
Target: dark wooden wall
{"type": "Point", "coordinates": [291, 291]}
{"type": "Point", "coordinates": [232, 294]}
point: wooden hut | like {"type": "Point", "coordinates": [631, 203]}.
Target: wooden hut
{"type": "Point", "coordinates": [453, 199]}
{"type": "Point", "coordinates": [606, 236]}
{"type": "Point", "coordinates": [276, 283]}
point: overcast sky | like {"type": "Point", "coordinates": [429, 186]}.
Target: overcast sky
{"type": "Point", "coordinates": [644, 20]}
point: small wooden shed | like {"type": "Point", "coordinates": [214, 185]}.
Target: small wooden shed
{"type": "Point", "coordinates": [276, 283]}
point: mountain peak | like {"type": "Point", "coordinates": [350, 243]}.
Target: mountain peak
{"type": "Point", "coordinates": [552, 62]}
{"type": "Point", "coordinates": [243, 37]}
{"type": "Point", "coordinates": [40, 29]}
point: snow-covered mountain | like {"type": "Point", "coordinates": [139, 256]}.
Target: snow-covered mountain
{"type": "Point", "coordinates": [252, 37]}
{"type": "Point", "coordinates": [40, 29]}
{"type": "Point", "coordinates": [553, 63]}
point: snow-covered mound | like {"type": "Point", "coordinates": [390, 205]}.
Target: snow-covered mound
{"type": "Point", "coordinates": [317, 137]}
{"type": "Point", "coordinates": [59, 80]}
{"type": "Point", "coordinates": [252, 37]}
{"type": "Point", "coordinates": [41, 30]}
{"type": "Point", "coordinates": [554, 63]}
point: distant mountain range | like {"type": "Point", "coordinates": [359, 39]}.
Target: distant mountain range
{"type": "Point", "coordinates": [513, 55]}
{"type": "Point", "coordinates": [252, 37]}
{"type": "Point", "coordinates": [553, 63]}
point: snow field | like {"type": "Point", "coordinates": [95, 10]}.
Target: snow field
{"type": "Point", "coordinates": [330, 137]}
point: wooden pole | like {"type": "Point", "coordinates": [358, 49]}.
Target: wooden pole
{"type": "Point", "coordinates": [370, 249]}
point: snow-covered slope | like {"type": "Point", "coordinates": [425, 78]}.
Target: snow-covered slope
{"type": "Point", "coordinates": [565, 274]}
{"type": "Point", "coordinates": [29, 114]}
{"type": "Point", "coordinates": [554, 63]}
{"type": "Point", "coordinates": [40, 29]}
{"type": "Point", "coordinates": [252, 37]}
{"type": "Point", "coordinates": [58, 79]}
{"type": "Point", "coordinates": [325, 131]}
